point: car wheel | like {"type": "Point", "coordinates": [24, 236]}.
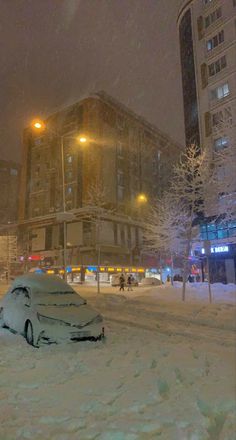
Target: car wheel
{"type": "Point", "coordinates": [29, 333]}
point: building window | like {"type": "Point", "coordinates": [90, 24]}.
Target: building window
{"type": "Point", "coordinates": [204, 75]}
{"type": "Point", "coordinates": [120, 148]}
{"type": "Point", "coordinates": [217, 66]}
{"type": "Point", "coordinates": [69, 175]}
{"type": "Point", "coordinates": [207, 118]}
{"type": "Point", "coordinates": [215, 41]}
{"type": "Point", "coordinates": [38, 141]}
{"type": "Point", "coordinates": [13, 172]}
{"type": "Point", "coordinates": [122, 235]}
{"type": "Point", "coordinates": [211, 18]}
{"type": "Point", "coordinates": [120, 193]}
{"type": "Point", "coordinates": [120, 178]}
{"type": "Point", "coordinates": [223, 116]}
{"type": "Point", "coordinates": [217, 118]}
{"type": "Point", "coordinates": [120, 122]}
{"type": "Point", "coordinates": [69, 159]}
{"type": "Point", "coordinates": [221, 143]}
{"type": "Point", "coordinates": [115, 233]}
{"type": "Point", "coordinates": [220, 92]}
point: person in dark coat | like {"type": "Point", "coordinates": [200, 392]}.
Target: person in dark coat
{"type": "Point", "coordinates": [129, 282]}
{"type": "Point", "coordinates": [122, 282]}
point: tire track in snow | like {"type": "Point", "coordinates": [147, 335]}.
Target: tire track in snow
{"type": "Point", "coordinates": [159, 322]}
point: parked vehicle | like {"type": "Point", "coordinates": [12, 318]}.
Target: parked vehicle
{"type": "Point", "coordinates": [45, 309]}
{"type": "Point", "coordinates": [150, 281]}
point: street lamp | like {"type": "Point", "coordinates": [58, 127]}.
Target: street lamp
{"type": "Point", "coordinates": [142, 198]}
{"type": "Point", "coordinates": [39, 125]}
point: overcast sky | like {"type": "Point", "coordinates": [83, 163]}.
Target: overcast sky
{"type": "Point", "coordinates": [55, 52]}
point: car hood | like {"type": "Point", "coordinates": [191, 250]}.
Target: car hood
{"type": "Point", "coordinates": [78, 316]}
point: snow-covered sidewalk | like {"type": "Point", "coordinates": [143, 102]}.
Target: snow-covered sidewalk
{"type": "Point", "coordinates": [166, 371]}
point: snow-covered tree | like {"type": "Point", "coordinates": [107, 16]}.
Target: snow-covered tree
{"type": "Point", "coordinates": [193, 188]}
{"type": "Point", "coordinates": [96, 211]}
{"type": "Point", "coordinates": [164, 227]}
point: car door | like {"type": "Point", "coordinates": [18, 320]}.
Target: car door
{"type": "Point", "coordinates": [17, 308]}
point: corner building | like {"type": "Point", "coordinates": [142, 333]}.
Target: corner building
{"type": "Point", "coordinates": [124, 155]}
{"type": "Point", "coordinates": [207, 38]}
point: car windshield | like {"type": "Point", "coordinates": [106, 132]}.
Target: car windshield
{"type": "Point", "coordinates": [59, 299]}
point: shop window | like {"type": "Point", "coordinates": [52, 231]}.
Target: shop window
{"type": "Point", "coordinates": [223, 233]}
{"type": "Point", "coordinates": [212, 235]}
{"type": "Point", "coordinates": [232, 232]}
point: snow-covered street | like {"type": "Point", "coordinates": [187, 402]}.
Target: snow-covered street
{"type": "Point", "coordinates": [166, 371]}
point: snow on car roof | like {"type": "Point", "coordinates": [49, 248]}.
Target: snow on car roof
{"type": "Point", "coordinates": [42, 283]}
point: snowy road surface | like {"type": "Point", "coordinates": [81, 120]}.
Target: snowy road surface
{"type": "Point", "coordinates": [166, 371]}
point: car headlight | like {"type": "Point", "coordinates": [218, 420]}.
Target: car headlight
{"type": "Point", "coordinates": [51, 321]}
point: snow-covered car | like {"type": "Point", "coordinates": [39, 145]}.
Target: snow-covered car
{"type": "Point", "coordinates": [45, 309]}
{"type": "Point", "coordinates": [150, 281]}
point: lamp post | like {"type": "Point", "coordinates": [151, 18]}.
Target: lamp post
{"type": "Point", "coordinates": [141, 201]}
{"type": "Point", "coordinates": [40, 125]}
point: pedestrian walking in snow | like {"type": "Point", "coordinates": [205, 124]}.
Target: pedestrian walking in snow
{"type": "Point", "coordinates": [122, 282]}
{"type": "Point", "coordinates": [129, 282]}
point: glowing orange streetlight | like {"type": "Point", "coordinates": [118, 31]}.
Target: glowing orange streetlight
{"type": "Point", "coordinates": [38, 124]}
{"type": "Point", "coordinates": [142, 198]}
{"type": "Point", "coordinates": [82, 139]}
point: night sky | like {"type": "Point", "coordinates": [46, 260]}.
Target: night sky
{"type": "Point", "coordinates": [55, 52]}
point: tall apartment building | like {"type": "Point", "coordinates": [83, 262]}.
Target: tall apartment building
{"type": "Point", "coordinates": [124, 155]}
{"type": "Point", "coordinates": [207, 36]}
{"type": "Point", "coordinates": [9, 184]}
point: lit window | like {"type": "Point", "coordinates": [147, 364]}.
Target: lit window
{"type": "Point", "coordinates": [221, 143]}
{"type": "Point", "coordinates": [223, 91]}
{"type": "Point", "coordinates": [220, 92]}
{"type": "Point", "coordinates": [215, 41]}
{"type": "Point", "coordinates": [69, 159]}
